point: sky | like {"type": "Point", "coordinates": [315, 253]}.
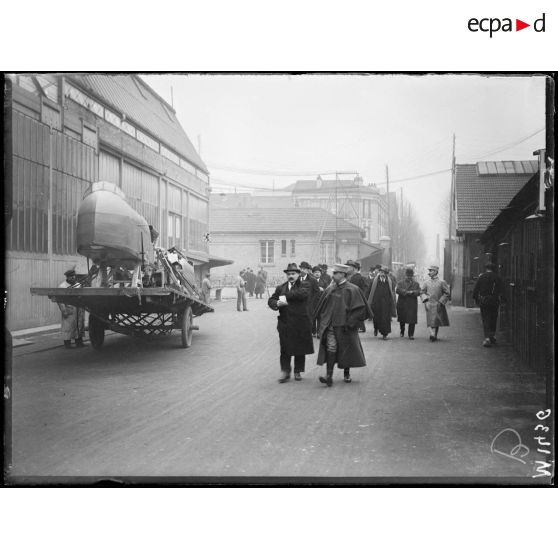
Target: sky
{"type": "Point", "coordinates": [269, 126]}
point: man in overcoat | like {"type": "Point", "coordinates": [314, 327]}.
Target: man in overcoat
{"type": "Point", "coordinates": [382, 302]}
{"type": "Point", "coordinates": [407, 290]}
{"type": "Point", "coordinates": [293, 323]}
{"type": "Point", "coordinates": [354, 276]}
{"type": "Point", "coordinates": [341, 309]}
{"type": "Point", "coordinates": [314, 289]}
{"type": "Point", "coordinates": [73, 318]}
{"type": "Point", "coordinates": [488, 294]}
{"type": "Point", "coordinates": [435, 295]}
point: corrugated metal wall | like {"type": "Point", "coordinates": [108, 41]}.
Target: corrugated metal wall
{"type": "Point", "coordinates": [27, 262]}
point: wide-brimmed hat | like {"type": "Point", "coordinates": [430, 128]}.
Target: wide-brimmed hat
{"type": "Point", "coordinates": [305, 265]}
{"type": "Point", "coordinates": [316, 268]}
{"type": "Point", "coordinates": [292, 267]}
{"type": "Point", "coordinates": [352, 263]}
{"type": "Point", "coordinates": [409, 271]}
{"type": "Point", "coordinates": [433, 268]}
{"type": "Point", "coordinates": [340, 268]}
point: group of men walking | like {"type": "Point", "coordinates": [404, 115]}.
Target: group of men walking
{"type": "Point", "coordinates": [336, 312]}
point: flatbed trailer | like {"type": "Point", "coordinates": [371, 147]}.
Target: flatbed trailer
{"type": "Point", "coordinates": [135, 311]}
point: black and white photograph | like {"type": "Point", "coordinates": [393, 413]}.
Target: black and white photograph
{"type": "Point", "coordinates": [279, 278]}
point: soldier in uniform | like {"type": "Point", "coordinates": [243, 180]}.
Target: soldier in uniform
{"type": "Point", "coordinates": [340, 311]}
{"type": "Point", "coordinates": [435, 295]}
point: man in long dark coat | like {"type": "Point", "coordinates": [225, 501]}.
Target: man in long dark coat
{"type": "Point", "coordinates": [293, 323]}
{"type": "Point", "coordinates": [341, 309]}
{"type": "Point", "coordinates": [488, 294]}
{"type": "Point", "coordinates": [382, 302]}
{"type": "Point", "coordinates": [408, 290]}
{"type": "Point", "coordinates": [314, 289]}
{"type": "Point", "coordinates": [357, 279]}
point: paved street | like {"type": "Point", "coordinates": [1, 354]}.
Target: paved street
{"type": "Point", "coordinates": [216, 409]}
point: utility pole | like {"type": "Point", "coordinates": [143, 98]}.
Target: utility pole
{"type": "Point", "coordinates": [389, 217]}
{"type": "Point", "coordinates": [335, 231]}
{"type": "Point", "coordinates": [449, 265]}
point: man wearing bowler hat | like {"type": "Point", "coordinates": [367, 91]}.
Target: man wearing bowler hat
{"type": "Point", "coordinates": [73, 318]}
{"type": "Point", "coordinates": [339, 312]}
{"type": "Point", "coordinates": [293, 323]}
{"type": "Point", "coordinates": [435, 294]}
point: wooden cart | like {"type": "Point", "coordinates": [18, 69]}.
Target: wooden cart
{"type": "Point", "coordinates": [139, 312]}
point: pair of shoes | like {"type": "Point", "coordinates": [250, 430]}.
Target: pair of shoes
{"type": "Point", "coordinates": [347, 378]}
{"type": "Point", "coordinates": [69, 345]}
{"type": "Point", "coordinates": [411, 338]}
{"type": "Point", "coordinates": [432, 338]}
{"type": "Point", "coordinates": [285, 377]}
{"type": "Point", "coordinates": [487, 343]}
{"type": "Point", "coordinates": [297, 376]}
{"type": "Point", "coordinates": [493, 340]}
{"type": "Point", "coordinates": [80, 344]}
{"type": "Point", "coordinates": [375, 333]}
{"type": "Point", "coordinates": [384, 337]}
{"type": "Point", "coordinates": [402, 334]}
{"type": "Point", "coordinates": [245, 310]}
{"type": "Point", "coordinates": [238, 310]}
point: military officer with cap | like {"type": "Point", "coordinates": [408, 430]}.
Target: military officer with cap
{"type": "Point", "coordinates": [293, 323]}
{"type": "Point", "coordinates": [339, 312]}
{"type": "Point", "coordinates": [73, 318]}
{"type": "Point", "coordinates": [435, 294]}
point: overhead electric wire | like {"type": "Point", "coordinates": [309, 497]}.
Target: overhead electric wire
{"type": "Point", "coordinates": [231, 184]}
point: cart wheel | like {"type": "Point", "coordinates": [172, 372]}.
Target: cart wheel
{"type": "Point", "coordinates": [187, 327]}
{"type": "Point", "coordinates": [96, 332]}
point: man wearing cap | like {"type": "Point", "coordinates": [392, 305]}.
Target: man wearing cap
{"type": "Point", "coordinates": [73, 318]}
{"type": "Point", "coordinates": [407, 305]}
{"type": "Point", "coordinates": [339, 312]}
{"type": "Point", "coordinates": [382, 302]}
{"type": "Point", "coordinates": [435, 294]}
{"type": "Point", "coordinates": [357, 279]}
{"type": "Point", "coordinates": [314, 289]}
{"type": "Point", "coordinates": [488, 294]}
{"type": "Point", "coordinates": [293, 322]}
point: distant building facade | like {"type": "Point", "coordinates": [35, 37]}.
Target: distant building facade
{"type": "Point", "coordinates": [65, 132]}
{"type": "Point", "coordinates": [273, 237]}
{"type": "Point", "coordinates": [481, 191]}
{"type": "Point", "coordinates": [362, 205]}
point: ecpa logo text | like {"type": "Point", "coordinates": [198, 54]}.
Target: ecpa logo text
{"type": "Point", "coordinates": [494, 24]}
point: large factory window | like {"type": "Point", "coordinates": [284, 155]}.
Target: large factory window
{"type": "Point", "coordinates": [198, 224]}
{"type": "Point", "coordinates": [173, 229]}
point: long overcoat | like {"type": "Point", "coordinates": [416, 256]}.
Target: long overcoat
{"type": "Point", "coordinates": [343, 307]}
{"type": "Point", "coordinates": [73, 326]}
{"type": "Point", "coordinates": [408, 290]}
{"type": "Point", "coordinates": [391, 291]}
{"type": "Point", "coordinates": [438, 294]}
{"type": "Point", "coordinates": [314, 293]}
{"type": "Point", "coordinates": [293, 322]}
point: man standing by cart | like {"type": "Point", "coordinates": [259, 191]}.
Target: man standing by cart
{"type": "Point", "coordinates": [206, 288]}
{"type": "Point", "coordinates": [73, 318]}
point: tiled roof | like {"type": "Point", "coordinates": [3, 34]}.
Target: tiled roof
{"type": "Point", "coordinates": [130, 95]}
{"type": "Point", "coordinates": [275, 220]}
{"type": "Point", "coordinates": [481, 197]}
